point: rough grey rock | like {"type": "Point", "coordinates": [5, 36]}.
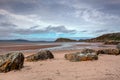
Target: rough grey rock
{"type": "Point", "coordinates": [11, 61]}
{"type": "Point", "coordinates": [84, 55]}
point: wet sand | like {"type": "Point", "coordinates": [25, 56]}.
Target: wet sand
{"type": "Point", "coordinates": [7, 47]}
{"type": "Point", "coordinates": [26, 47]}
{"type": "Point", "coordinates": [107, 67]}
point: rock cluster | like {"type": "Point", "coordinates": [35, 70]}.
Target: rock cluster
{"type": "Point", "coordinates": [42, 55]}
{"type": "Point", "coordinates": [84, 55]}
{"type": "Point", "coordinates": [11, 61]}
{"type": "Point", "coordinates": [109, 51]}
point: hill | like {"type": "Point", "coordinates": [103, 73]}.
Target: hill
{"type": "Point", "coordinates": [64, 40]}
{"type": "Point", "coordinates": [111, 38]}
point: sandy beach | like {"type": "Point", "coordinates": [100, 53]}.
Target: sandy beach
{"type": "Point", "coordinates": [105, 68]}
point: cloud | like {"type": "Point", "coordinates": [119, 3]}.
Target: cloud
{"type": "Point", "coordinates": [16, 19]}
{"type": "Point", "coordinates": [49, 29]}
{"type": "Point", "coordinates": [7, 24]}
{"type": "Point", "coordinates": [25, 17]}
{"type": "Point", "coordinates": [12, 31]}
{"type": "Point", "coordinates": [96, 16]}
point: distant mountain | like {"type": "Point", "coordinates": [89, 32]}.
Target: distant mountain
{"type": "Point", "coordinates": [64, 40]}
{"type": "Point", "coordinates": [21, 40]}
{"type": "Point", "coordinates": [16, 40]}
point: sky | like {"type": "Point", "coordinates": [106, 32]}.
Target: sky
{"type": "Point", "coordinates": [51, 19]}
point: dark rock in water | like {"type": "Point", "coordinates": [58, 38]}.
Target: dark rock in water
{"type": "Point", "coordinates": [42, 55]}
{"type": "Point", "coordinates": [11, 61]}
{"type": "Point", "coordinates": [84, 55]}
{"type": "Point", "coordinates": [109, 51]}
{"type": "Point", "coordinates": [118, 46]}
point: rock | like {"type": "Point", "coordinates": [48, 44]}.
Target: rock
{"type": "Point", "coordinates": [70, 56]}
{"type": "Point", "coordinates": [84, 55]}
{"type": "Point", "coordinates": [118, 46]}
{"type": "Point", "coordinates": [11, 61]}
{"type": "Point", "coordinates": [42, 55]}
{"type": "Point", "coordinates": [85, 51]}
{"type": "Point", "coordinates": [109, 51]}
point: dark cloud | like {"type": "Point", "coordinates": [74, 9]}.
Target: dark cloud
{"type": "Point", "coordinates": [34, 27]}
{"type": "Point", "coordinates": [54, 29]}
{"type": "Point", "coordinates": [11, 30]}
{"type": "Point", "coordinates": [7, 24]}
{"type": "Point", "coordinates": [58, 29]}
{"type": "Point", "coordinates": [18, 6]}
{"type": "Point", "coordinates": [84, 31]}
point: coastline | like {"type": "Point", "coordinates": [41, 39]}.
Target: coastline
{"type": "Point", "coordinates": [56, 46]}
{"type": "Point", "coordinates": [105, 68]}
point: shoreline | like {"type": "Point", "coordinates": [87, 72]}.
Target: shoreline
{"type": "Point", "coordinates": [34, 47]}
{"type": "Point", "coordinates": [105, 68]}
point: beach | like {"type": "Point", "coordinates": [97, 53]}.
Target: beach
{"type": "Point", "coordinates": [105, 68]}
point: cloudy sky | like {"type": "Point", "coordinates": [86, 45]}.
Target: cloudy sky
{"type": "Point", "coordinates": [50, 19]}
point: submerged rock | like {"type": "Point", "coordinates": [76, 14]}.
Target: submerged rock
{"type": "Point", "coordinates": [42, 55]}
{"type": "Point", "coordinates": [109, 51]}
{"type": "Point", "coordinates": [84, 55]}
{"type": "Point", "coordinates": [11, 61]}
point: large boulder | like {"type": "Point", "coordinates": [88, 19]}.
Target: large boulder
{"type": "Point", "coordinates": [118, 46]}
{"type": "Point", "coordinates": [42, 55]}
{"type": "Point", "coordinates": [11, 61]}
{"type": "Point", "coordinates": [84, 55]}
{"type": "Point", "coordinates": [109, 51]}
